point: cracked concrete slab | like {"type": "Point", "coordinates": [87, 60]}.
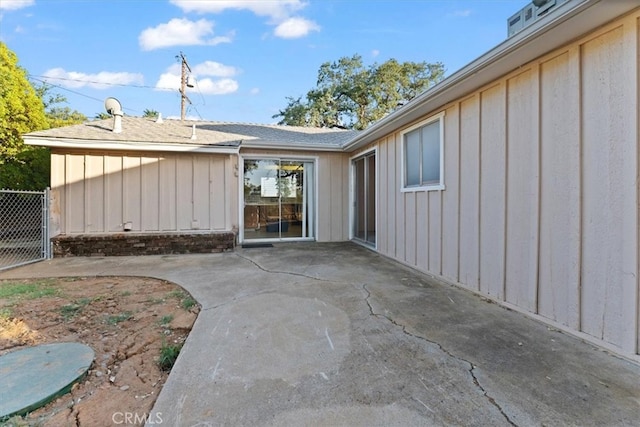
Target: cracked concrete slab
{"type": "Point", "coordinates": [334, 334]}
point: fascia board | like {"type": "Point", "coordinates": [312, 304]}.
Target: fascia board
{"type": "Point", "coordinates": [128, 146]}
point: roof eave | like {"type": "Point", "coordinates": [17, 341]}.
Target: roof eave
{"type": "Point", "coordinates": [129, 145]}
{"type": "Point", "coordinates": [290, 146]}
{"type": "Point", "coordinates": [570, 21]}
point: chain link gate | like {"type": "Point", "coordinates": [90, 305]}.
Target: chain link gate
{"type": "Point", "coordinates": [24, 227]}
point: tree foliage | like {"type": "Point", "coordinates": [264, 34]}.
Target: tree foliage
{"type": "Point", "coordinates": [21, 110]}
{"type": "Point", "coordinates": [25, 108]}
{"type": "Point", "coordinates": [351, 95]}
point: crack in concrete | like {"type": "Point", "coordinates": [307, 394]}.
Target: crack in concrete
{"type": "Point", "coordinates": [291, 273]}
{"type": "Point", "coordinates": [471, 369]}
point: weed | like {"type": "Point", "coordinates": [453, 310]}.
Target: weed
{"type": "Point", "coordinates": [125, 293]}
{"type": "Point", "coordinates": [117, 318]}
{"type": "Point", "coordinates": [165, 320]}
{"type": "Point", "coordinates": [69, 311]}
{"type": "Point", "coordinates": [168, 355]}
{"type": "Point", "coordinates": [28, 290]}
{"type": "Point", "coordinates": [5, 313]}
{"type": "Point", "coordinates": [188, 302]}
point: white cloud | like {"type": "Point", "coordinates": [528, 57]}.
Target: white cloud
{"type": "Point", "coordinates": [216, 87]}
{"type": "Point", "coordinates": [180, 32]}
{"type": "Point", "coordinates": [204, 83]}
{"type": "Point", "coordinates": [295, 27]}
{"type": "Point", "coordinates": [279, 12]}
{"type": "Point", "coordinates": [275, 9]}
{"type": "Point", "coordinates": [101, 80]}
{"type": "Point", "coordinates": [254, 91]}
{"type": "Point", "coordinates": [216, 69]}
{"type": "Point", "coordinates": [462, 13]}
{"type": "Point", "coordinates": [15, 4]}
{"type": "Point", "coordinates": [375, 53]}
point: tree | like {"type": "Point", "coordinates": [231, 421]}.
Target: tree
{"type": "Point", "coordinates": [21, 110]}
{"type": "Point", "coordinates": [352, 96]}
{"type": "Point", "coordinates": [26, 108]}
{"type": "Point", "coordinates": [150, 113]}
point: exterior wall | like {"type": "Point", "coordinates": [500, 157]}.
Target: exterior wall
{"type": "Point", "coordinates": [98, 192]}
{"type": "Point", "coordinates": [540, 210]}
{"type": "Point", "coordinates": [332, 190]}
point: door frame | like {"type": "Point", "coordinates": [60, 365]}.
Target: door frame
{"type": "Point", "coordinates": [314, 207]}
{"type": "Point", "coordinates": [352, 195]}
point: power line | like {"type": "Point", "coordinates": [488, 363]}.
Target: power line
{"type": "Point", "coordinates": [98, 83]}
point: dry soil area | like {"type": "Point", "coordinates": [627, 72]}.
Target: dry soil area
{"type": "Point", "coordinates": [133, 325]}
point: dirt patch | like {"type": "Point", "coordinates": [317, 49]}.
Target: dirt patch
{"type": "Point", "coordinates": [134, 325]}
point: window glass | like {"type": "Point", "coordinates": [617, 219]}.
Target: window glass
{"type": "Point", "coordinates": [431, 153]}
{"type": "Point", "coordinates": [412, 158]}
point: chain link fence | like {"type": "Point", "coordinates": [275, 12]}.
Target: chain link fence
{"type": "Point", "coordinates": [24, 227]}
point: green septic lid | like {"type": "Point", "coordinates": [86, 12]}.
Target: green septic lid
{"type": "Point", "coordinates": [34, 376]}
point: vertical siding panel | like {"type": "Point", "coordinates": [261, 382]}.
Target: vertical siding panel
{"type": "Point", "coordinates": [382, 240]}
{"type": "Point", "coordinates": [522, 190]}
{"type": "Point", "coordinates": [450, 197]}
{"type": "Point", "coordinates": [94, 197]}
{"type": "Point", "coordinates": [469, 192]}
{"type": "Point", "coordinates": [492, 191]}
{"type": "Point", "coordinates": [392, 194]}
{"type": "Point", "coordinates": [324, 199]}
{"type": "Point", "coordinates": [75, 203]}
{"type": "Point", "coordinates": [200, 217]}
{"type": "Point", "coordinates": [131, 190]}
{"type": "Point", "coordinates": [608, 289]}
{"type": "Point", "coordinates": [634, 57]}
{"type": "Point", "coordinates": [435, 232]}
{"type": "Point", "coordinates": [58, 196]}
{"type": "Point", "coordinates": [345, 166]}
{"type": "Point", "coordinates": [217, 188]}
{"type": "Point", "coordinates": [150, 197]}
{"type": "Point", "coordinates": [184, 194]}
{"type": "Point", "coordinates": [337, 206]}
{"type": "Point", "coordinates": [422, 230]}
{"type": "Point", "coordinates": [400, 207]}
{"type": "Point", "coordinates": [559, 263]}
{"type": "Point", "coordinates": [113, 192]}
{"type": "Point", "coordinates": [168, 195]}
{"type": "Point", "coordinates": [409, 225]}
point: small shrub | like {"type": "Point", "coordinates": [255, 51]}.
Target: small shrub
{"type": "Point", "coordinates": [188, 302]}
{"type": "Point", "coordinates": [117, 318]}
{"type": "Point", "coordinates": [165, 320]}
{"type": "Point", "coordinates": [168, 355]}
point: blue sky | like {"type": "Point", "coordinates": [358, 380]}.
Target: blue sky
{"type": "Point", "coordinates": [246, 56]}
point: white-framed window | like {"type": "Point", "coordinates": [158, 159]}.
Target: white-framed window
{"type": "Point", "coordinates": [423, 155]}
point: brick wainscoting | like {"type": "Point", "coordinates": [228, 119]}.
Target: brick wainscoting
{"type": "Point", "coordinates": [142, 244]}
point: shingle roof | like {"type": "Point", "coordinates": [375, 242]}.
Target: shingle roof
{"type": "Point", "coordinates": [146, 130]}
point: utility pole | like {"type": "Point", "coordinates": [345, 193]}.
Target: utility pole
{"type": "Point", "coordinates": [184, 83]}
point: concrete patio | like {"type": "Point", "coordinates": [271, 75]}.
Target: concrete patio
{"type": "Point", "coordinates": [334, 334]}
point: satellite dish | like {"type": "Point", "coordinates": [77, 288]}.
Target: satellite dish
{"type": "Point", "coordinates": [539, 3]}
{"type": "Point", "coordinates": [113, 106]}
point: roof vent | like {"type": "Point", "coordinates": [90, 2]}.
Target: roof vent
{"type": "Point", "coordinates": [114, 108]}
{"type": "Point", "coordinates": [159, 118]}
{"type": "Point", "coordinates": [531, 13]}
{"type": "Point", "coordinates": [193, 132]}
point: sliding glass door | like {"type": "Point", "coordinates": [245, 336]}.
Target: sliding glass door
{"type": "Point", "coordinates": [364, 198]}
{"type": "Point", "coordinates": [278, 199]}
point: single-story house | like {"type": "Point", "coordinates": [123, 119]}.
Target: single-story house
{"type": "Point", "coordinates": [516, 177]}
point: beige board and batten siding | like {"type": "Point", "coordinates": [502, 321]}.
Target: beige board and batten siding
{"type": "Point", "coordinates": [540, 207]}
{"type": "Point", "coordinates": [102, 191]}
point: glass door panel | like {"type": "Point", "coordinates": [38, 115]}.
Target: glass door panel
{"type": "Point", "coordinates": [364, 199]}
{"type": "Point", "coordinates": [277, 199]}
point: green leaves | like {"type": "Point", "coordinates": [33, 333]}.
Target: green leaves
{"type": "Point", "coordinates": [352, 96]}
